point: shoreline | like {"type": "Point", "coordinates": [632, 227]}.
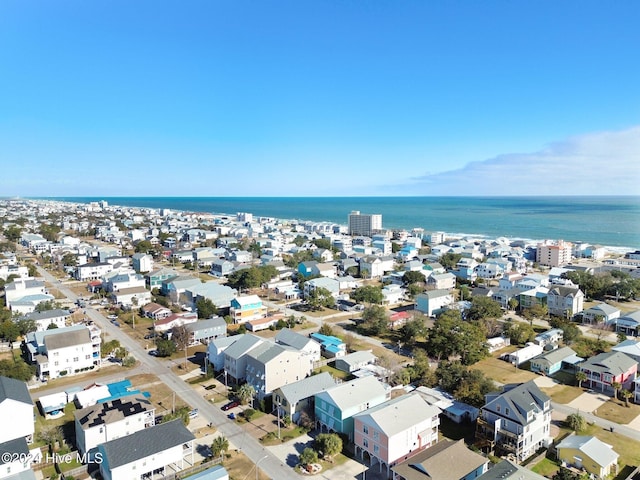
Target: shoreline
{"type": "Point", "coordinates": [621, 250]}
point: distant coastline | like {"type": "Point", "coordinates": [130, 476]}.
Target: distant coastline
{"type": "Point", "coordinates": [612, 221]}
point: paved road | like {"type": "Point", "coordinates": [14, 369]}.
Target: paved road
{"type": "Point", "coordinates": [601, 422]}
{"type": "Point", "coordinates": [268, 462]}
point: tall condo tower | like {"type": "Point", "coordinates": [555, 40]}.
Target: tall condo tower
{"type": "Point", "coordinates": [363, 224]}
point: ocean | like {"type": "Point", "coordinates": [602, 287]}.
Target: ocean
{"type": "Point", "coordinates": [600, 220]}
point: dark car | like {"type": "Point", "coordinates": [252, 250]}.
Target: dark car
{"type": "Point", "coordinates": [149, 336]}
{"type": "Point", "coordinates": [230, 405]}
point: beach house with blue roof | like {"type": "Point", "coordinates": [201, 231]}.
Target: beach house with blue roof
{"type": "Point", "coordinates": [330, 346]}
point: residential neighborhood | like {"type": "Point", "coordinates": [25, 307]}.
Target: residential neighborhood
{"type": "Point", "coordinates": [138, 334]}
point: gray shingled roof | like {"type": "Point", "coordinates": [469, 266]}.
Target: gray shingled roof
{"type": "Point", "coordinates": [506, 470]}
{"type": "Point", "coordinates": [67, 339]}
{"type": "Point", "coordinates": [14, 390]}
{"type": "Point", "coordinates": [287, 336]}
{"type": "Point", "coordinates": [615, 363]}
{"type": "Point", "coordinates": [112, 411]}
{"type": "Point", "coordinates": [58, 312]}
{"type": "Point", "coordinates": [145, 443]}
{"type": "Point", "coordinates": [16, 446]}
{"type": "Point", "coordinates": [307, 387]}
{"type": "Point", "coordinates": [522, 398]}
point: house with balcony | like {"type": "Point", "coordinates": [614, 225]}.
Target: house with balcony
{"type": "Point", "coordinates": [336, 406]}
{"type": "Point", "coordinates": [330, 284]}
{"type": "Point", "coordinates": [64, 351]}
{"type": "Point", "coordinates": [395, 430]}
{"type": "Point", "coordinates": [441, 281]}
{"type": "Point", "coordinates": [516, 420]}
{"type": "Point", "coordinates": [600, 313]}
{"type": "Point", "coordinates": [221, 267]}
{"type": "Point", "coordinates": [371, 266]}
{"type": "Point", "coordinates": [629, 324]}
{"type": "Point", "coordinates": [247, 308]}
{"type": "Point", "coordinates": [235, 357]}
{"type": "Point", "coordinates": [446, 460]}
{"type": "Point", "coordinates": [629, 347]}
{"type": "Point", "coordinates": [588, 453]}
{"type": "Point", "coordinates": [92, 271]}
{"type": "Point", "coordinates": [565, 301]}
{"type": "Point", "coordinates": [604, 369]}
{"type": "Point", "coordinates": [433, 302]}
{"type": "Point", "coordinates": [270, 366]}
{"type": "Point", "coordinates": [295, 398]}
{"type": "Point", "coordinates": [112, 419]}
{"type": "Point", "coordinates": [23, 295]}
{"type": "Point", "coordinates": [156, 311]}
{"type": "Point", "coordinates": [155, 278]}
{"type": "Point", "coordinates": [152, 452]}
{"type": "Point", "coordinates": [536, 296]}
{"type": "Point", "coordinates": [205, 331]}
{"type": "Point", "coordinates": [57, 317]}
{"type": "Point", "coordinates": [300, 342]}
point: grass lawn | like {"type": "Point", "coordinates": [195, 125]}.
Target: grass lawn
{"type": "Point", "coordinates": [546, 468]}
{"type": "Point", "coordinates": [240, 467]}
{"type": "Point", "coordinates": [502, 371]}
{"type": "Point", "coordinates": [286, 434]}
{"type": "Point", "coordinates": [66, 422]}
{"type": "Point", "coordinates": [334, 372]}
{"type": "Point", "coordinates": [616, 411]}
{"type": "Point", "coordinates": [562, 393]}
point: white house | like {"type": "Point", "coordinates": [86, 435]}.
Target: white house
{"type": "Point", "coordinates": [57, 317]}
{"type": "Point", "coordinates": [142, 262]}
{"type": "Point", "coordinates": [529, 351]}
{"type": "Point", "coordinates": [433, 301]}
{"type": "Point", "coordinates": [23, 289]}
{"type": "Point", "coordinates": [16, 407]}
{"type": "Point", "coordinates": [153, 451]}
{"type": "Point", "coordinates": [92, 271]}
{"type": "Point", "coordinates": [300, 342]}
{"type": "Point", "coordinates": [107, 421]}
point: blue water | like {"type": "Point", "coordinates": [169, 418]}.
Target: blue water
{"type": "Point", "coordinates": [611, 221]}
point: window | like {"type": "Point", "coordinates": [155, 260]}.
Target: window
{"type": "Point", "coordinates": [365, 443]}
{"type": "Point", "coordinates": [376, 435]}
{"type": "Point", "coordinates": [498, 408]}
{"type": "Point", "coordinates": [376, 449]}
{"type": "Point", "coordinates": [365, 429]}
{"type": "Point", "coordinates": [506, 411]}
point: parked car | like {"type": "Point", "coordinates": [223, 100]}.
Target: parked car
{"type": "Point", "coordinates": [193, 413]}
{"type": "Point", "coordinates": [153, 353]}
{"type": "Point", "coordinates": [230, 405]}
{"type": "Point", "coordinates": [117, 324]}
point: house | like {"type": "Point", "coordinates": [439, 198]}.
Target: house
{"type": "Point", "coordinates": [398, 319]}
{"type": "Point", "coordinates": [549, 338]}
{"type": "Point", "coordinates": [295, 398]}
{"type": "Point", "coordinates": [64, 351]}
{"type": "Point", "coordinates": [600, 313]}
{"type": "Point", "coordinates": [92, 271]}
{"type": "Point", "coordinates": [43, 320]}
{"type": "Point", "coordinates": [157, 450]}
{"type": "Point", "coordinates": [330, 284]}
{"type": "Point", "coordinates": [300, 342]}
{"type": "Point", "coordinates": [330, 346]}
{"type": "Point", "coordinates": [433, 302]}
{"type": "Point", "coordinates": [216, 348]}
{"type": "Point", "coordinates": [154, 279]}
{"type": "Point", "coordinates": [204, 331]}
{"type": "Point", "coordinates": [371, 266]}
{"type": "Point", "coordinates": [606, 368]}
{"type": "Point", "coordinates": [174, 320]}
{"type": "Point", "coordinates": [235, 356]}
{"type": "Point", "coordinates": [590, 454]}
{"type": "Point", "coordinates": [336, 406]}
{"type": "Point", "coordinates": [16, 405]}
{"type": "Point", "coordinates": [529, 351]}
{"type": "Point", "coordinates": [217, 472]}
{"type": "Point", "coordinates": [221, 267]}
{"type": "Point", "coordinates": [122, 281]}
{"type": "Point", "coordinates": [175, 287]}
{"type": "Point", "coordinates": [392, 294]}
{"type": "Point", "coordinates": [17, 465]}
{"type": "Point", "coordinates": [23, 295]}
{"type": "Point", "coordinates": [112, 419]}
{"type": "Point", "coordinates": [516, 420]}
{"type": "Point", "coordinates": [553, 361]}
{"type": "Point", "coordinates": [269, 366]}
{"type": "Point", "coordinates": [447, 460]}
{"type": "Point", "coordinates": [629, 347]}
{"type": "Point", "coordinates": [264, 322]}
{"type": "Point", "coordinates": [629, 324]}
{"type": "Point", "coordinates": [441, 281]}
{"type": "Point", "coordinates": [220, 295]}
{"type": "Point", "coordinates": [395, 430]}
{"type": "Point", "coordinates": [498, 343]}
{"type": "Point", "coordinates": [142, 262]}
{"type": "Point", "coordinates": [355, 361]}
{"type": "Point", "coordinates": [565, 301]}
{"type": "Point", "coordinates": [132, 297]}
{"type": "Point", "coordinates": [247, 308]}
{"type": "Point", "coordinates": [155, 311]}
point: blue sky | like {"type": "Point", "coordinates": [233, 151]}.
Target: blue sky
{"type": "Point", "coordinates": [324, 97]}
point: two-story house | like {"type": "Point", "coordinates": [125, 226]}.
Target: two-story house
{"type": "Point", "coordinates": [300, 342]}
{"type": "Point", "coordinates": [604, 369]}
{"type": "Point", "coordinates": [16, 408]}
{"type": "Point", "coordinates": [395, 430]}
{"type": "Point", "coordinates": [113, 419]}
{"type": "Point", "coordinates": [516, 420]}
{"type": "Point", "coordinates": [44, 319]}
{"type": "Point", "coordinates": [335, 407]}
{"type": "Point", "coordinates": [433, 302]}
{"type": "Point", "coordinates": [295, 398]}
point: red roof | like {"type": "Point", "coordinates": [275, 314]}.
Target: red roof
{"type": "Point", "coordinates": [95, 283]}
{"type": "Point", "coordinates": [399, 316]}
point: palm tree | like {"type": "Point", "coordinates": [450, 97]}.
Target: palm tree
{"type": "Point", "coordinates": [246, 393]}
{"type": "Point", "coordinates": [219, 446]}
{"type": "Point", "coordinates": [580, 377]}
{"type": "Point", "coordinates": [616, 388]}
{"type": "Point", "coordinates": [626, 394]}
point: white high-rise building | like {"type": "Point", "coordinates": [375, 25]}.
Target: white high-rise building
{"type": "Point", "coordinates": [364, 224]}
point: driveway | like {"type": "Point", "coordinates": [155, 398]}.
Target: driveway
{"type": "Point", "coordinates": [588, 402]}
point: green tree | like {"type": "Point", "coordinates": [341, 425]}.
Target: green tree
{"type": "Point", "coordinates": [473, 388]}
{"type": "Point", "coordinates": [484, 308]}
{"type": "Point", "coordinates": [452, 336]}
{"type": "Point", "coordinates": [450, 260]}
{"type": "Point", "coordinates": [143, 246]}
{"type": "Point", "coordinates": [536, 311]}
{"type": "Point", "coordinates": [26, 325]}
{"type": "Point", "coordinates": [322, 243]}
{"type": "Point", "coordinates": [412, 330]}
{"type": "Point", "coordinates": [513, 303]}
{"type": "Point", "coordinates": [375, 320]}
{"type": "Point", "coordinates": [616, 388]}
{"type": "Point", "coordinates": [328, 444]}
{"type": "Point", "coordinates": [414, 289]}
{"type": "Point", "coordinates": [626, 394]}
{"type": "Point", "coordinates": [180, 336]}
{"type": "Point", "coordinates": [565, 474]}
{"type": "Point", "coordinates": [17, 368]}
{"type": "Point", "coordinates": [107, 348]}
{"type": "Point", "coordinates": [450, 375]}
{"type": "Point", "coordinates": [69, 260]}
{"type": "Point", "coordinates": [182, 413]}
{"type": "Point", "coordinates": [520, 333]}
{"type": "Point", "coordinates": [219, 446]}
{"type": "Point", "coordinates": [9, 330]}
{"type": "Point", "coordinates": [576, 422]}
{"type": "Point", "coordinates": [580, 377]}
{"type": "Point", "coordinates": [206, 308]}
{"type": "Point", "coordinates": [246, 392]}
{"type": "Point", "coordinates": [308, 457]}
{"type": "Point", "coordinates": [368, 294]}
{"type": "Point", "coordinates": [13, 233]}
{"type": "Point", "coordinates": [165, 347]}
{"type": "Point", "coordinates": [413, 276]}
{"type": "Point", "coordinates": [325, 329]}
{"type": "Point", "coordinates": [320, 298]}
{"type": "Point", "coordinates": [50, 434]}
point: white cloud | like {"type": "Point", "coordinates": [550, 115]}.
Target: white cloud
{"type": "Point", "coordinates": [603, 163]}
